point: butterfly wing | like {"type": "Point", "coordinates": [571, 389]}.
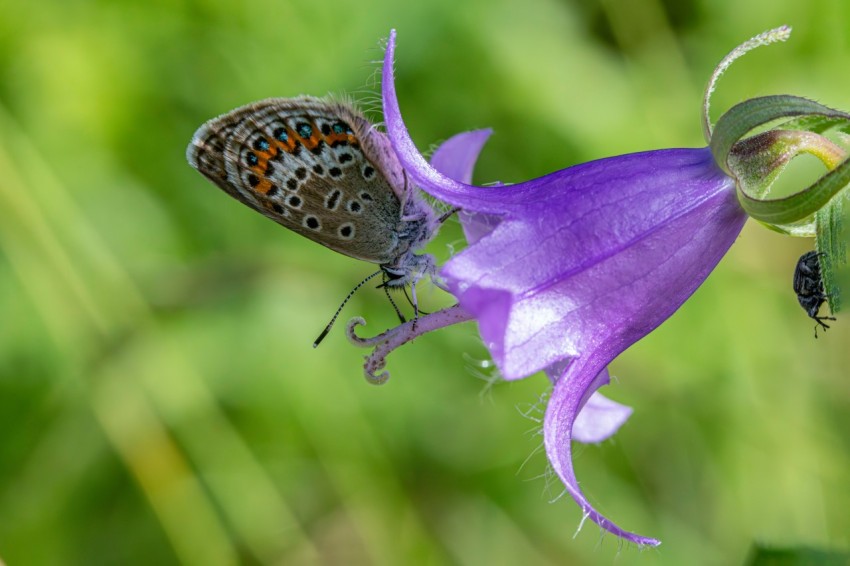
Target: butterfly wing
{"type": "Point", "coordinates": [313, 166]}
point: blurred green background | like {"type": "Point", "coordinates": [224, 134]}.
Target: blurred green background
{"type": "Point", "coordinates": [160, 399]}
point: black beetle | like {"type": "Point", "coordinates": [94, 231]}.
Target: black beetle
{"type": "Point", "coordinates": [808, 284]}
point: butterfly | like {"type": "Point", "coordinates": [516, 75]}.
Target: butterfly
{"type": "Point", "coordinates": [321, 169]}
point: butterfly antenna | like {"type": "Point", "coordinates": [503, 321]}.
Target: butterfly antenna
{"type": "Point", "coordinates": [339, 310]}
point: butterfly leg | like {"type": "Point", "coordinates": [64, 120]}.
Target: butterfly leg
{"type": "Point", "coordinates": [411, 303]}
{"type": "Point", "coordinates": [447, 215]}
{"type": "Point", "coordinates": [414, 301]}
{"type": "Point", "coordinates": [392, 302]}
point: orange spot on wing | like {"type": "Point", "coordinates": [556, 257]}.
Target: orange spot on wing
{"type": "Point", "coordinates": [334, 138]}
{"type": "Point", "coordinates": [289, 144]}
{"type": "Point", "coordinates": [263, 186]}
{"type": "Point", "coordinates": [314, 138]}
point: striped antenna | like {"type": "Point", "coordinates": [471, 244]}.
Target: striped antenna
{"type": "Point", "coordinates": [339, 310]}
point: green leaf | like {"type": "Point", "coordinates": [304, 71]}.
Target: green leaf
{"type": "Point", "coordinates": [762, 555]}
{"type": "Point", "coordinates": [833, 233]}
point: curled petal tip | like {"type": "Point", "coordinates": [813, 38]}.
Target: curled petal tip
{"type": "Point", "coordinates": [572, 389]}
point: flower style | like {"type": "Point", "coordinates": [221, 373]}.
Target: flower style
{"type": "Point", "coordinates": [564, 272]}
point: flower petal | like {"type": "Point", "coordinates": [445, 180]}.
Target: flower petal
{"type": "Point", "coordinates": [600, 417]}
{"type": "Point", "coordinates": [416, 165]}
{"type": "Point", "coordinates": [455, 158]}
{"type": "Point", "coordinates": [572, 390]}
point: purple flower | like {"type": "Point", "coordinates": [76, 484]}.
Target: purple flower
{"type": "Point", "coordinates": [565, 272]}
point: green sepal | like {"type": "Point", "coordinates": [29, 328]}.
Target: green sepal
{"type": "Point", "coordinates": [816, 124]}
{"type": "Point", "coordinates": [803, 229]}
{"type": "Point", "coordinates": [755, 112]}
{"type": "Point", "coordinates": [796, 207]}
{"type": "Point", "coordinates": [757, 161]}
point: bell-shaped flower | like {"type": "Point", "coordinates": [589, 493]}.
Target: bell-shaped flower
{"type": "Point", "coordinates": [564, 272]}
